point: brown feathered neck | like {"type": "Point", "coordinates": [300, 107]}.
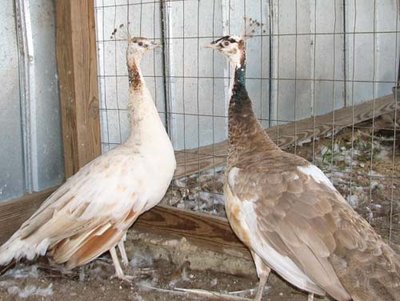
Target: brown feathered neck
{"type": "Point", "coordinates": [246, 134]}
{"type": "Point", "coordinates": [136, 80]}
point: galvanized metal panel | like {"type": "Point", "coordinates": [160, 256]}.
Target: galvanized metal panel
{"type": "Point", "coordinates": [31, 152]}
{"type": "Point", "coordinates": [46, 151]}
{"type": "Point", "coordinates": [372, 51]}
{"type": "Point", "coordinates": [11, 157]}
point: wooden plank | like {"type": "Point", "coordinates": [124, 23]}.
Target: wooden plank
{"type": "Point", "coordinates": [14, 213]}
{"type": "Point", "coordinates": [206, 157]}
{"type": "Point", "coordinates": [77, 72]}
{"type": "Point", "coordinates": [203, 230]}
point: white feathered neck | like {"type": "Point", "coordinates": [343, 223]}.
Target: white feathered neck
{"type": "Point", "coordinates": [146, 126]}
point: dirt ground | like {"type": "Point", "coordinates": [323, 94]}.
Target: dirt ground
{"type": "Point", "coordinates": [363, 165]}
{"type": "Point", "coordinates": [154, 279]}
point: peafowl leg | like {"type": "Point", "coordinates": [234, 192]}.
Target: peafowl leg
{"type": "Point", "coordinates": [121, 247]}
{"type": "Point", "coordinates": [263, 273]}
{"type": "Point", "coordinates": [119, 273]}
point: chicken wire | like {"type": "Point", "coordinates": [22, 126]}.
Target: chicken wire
{"type": "Point", "coordinates": [310, 58]}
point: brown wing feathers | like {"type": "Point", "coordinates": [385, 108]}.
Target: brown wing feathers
{"type": "Point", "coordinates": [83, 247]}
{"type": "Point", "coordinates": [315, 227]}
{"type": "Point", "coordinates": [95, 245]}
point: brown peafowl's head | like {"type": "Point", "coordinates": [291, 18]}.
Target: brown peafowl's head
{"type": "Point", "coordinates": [230, 46]}
{"type": "Point", "coordinates": [234, 47]}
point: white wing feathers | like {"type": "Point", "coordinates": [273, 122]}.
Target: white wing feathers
{"type": "Point", "coordinates": [95, 196]}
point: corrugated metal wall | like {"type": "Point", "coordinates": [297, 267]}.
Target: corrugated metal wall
{"type": "Point", "coordinates": [314, 56]}
{"type": "Point", "coordinates": [30, 130]}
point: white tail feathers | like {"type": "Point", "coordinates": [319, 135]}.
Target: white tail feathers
{"type": "Point", "coordinates": [15, 248]}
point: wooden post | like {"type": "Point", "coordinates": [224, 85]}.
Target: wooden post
{"type": "Point", "coordinates": [77, 71]}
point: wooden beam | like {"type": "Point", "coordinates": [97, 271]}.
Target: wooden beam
{"type": "Point", "coordinates": [206, 157]}
{"type": "Point", "coordinates": [77, 72]}
{"type": "Point", "coordinates": [14, 213]}
{"type": "Point", "coordinates": [203, 230]}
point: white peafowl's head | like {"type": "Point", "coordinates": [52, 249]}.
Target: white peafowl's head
{"type": "Point", "coordinates": [137, 46]}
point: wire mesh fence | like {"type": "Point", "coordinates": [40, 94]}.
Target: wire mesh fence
{"type": "Point", "coordinates": [319, 71]}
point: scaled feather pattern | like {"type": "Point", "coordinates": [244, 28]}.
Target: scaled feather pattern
{"type": "Point", "coordinates": [291, 217]}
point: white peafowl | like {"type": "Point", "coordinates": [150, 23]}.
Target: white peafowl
{"type": "Point", "coordinates": [91, 213]}
{"type": "Point", "coordinates": [291, 217]}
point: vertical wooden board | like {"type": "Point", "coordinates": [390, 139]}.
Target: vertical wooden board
{"type": "Point", "coordinates": [77, 69]}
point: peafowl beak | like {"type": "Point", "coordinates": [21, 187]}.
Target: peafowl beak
{"type": "Point", "coordinates": [154, 45]}
{"type": "Point", "coordinates": [212, 45]}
